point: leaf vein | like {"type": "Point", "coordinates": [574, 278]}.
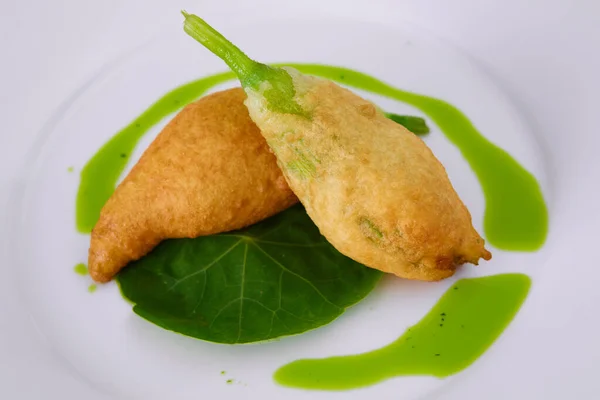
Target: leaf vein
{"type": "Point", "coordinates": [201, 296]}
{"type": "Point", "coordinates": [203, 269]}
{"type": "Point", "coordinates": [291, 244]}
{"type": "Point", "coordinates": [251, 300]}
{"type": "Point", "coordinates": [297, 276]}
{"type": "Point", "coordinates": [221, 310]}
{"type": "Point", "coordinates": [242, 292]}
{"type": "Point", "coordinates": [297, 316]}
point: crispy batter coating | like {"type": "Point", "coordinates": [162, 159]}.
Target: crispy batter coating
{"type": "Point", "coordinates": [208, 171]}
{"type": "Point", "coordinates": [374, 189]}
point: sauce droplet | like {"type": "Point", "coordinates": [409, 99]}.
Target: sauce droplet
{"type": "Point", "coordinates": [81, 269]}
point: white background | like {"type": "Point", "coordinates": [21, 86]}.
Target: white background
{"type": "Point", "coordinates": [544, 54]}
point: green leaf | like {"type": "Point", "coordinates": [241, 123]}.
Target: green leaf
{"type": "Point", "coordinates": [416, 125]}
{"type": "Point", "coordinates": [276, 278]}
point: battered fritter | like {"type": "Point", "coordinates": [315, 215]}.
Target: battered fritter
{"type": "Point", "coordinates": [208, 171]}
{"type": "Point", "coordinates": [374, 189]}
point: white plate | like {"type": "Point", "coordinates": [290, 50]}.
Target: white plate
{"type": "Point", "coordinates": [99, 339]}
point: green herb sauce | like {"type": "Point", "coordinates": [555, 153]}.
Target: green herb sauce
{"type": "Point", "coordinates": [516, 217]}
{"type": "Point", "coordinates": [467, 319]}
{"type": "Point", "coordinates": [81, 269]}
{"type": "Point", "coordinates": [92, 288]}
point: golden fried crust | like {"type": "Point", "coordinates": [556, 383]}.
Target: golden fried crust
{"type": "Point", "coordinates": [209, 171]}
{"type": "Point", "coordinates": [375, 190]}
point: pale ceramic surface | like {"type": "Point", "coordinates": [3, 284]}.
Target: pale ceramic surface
{"type": "Point", "coordinates": [112, 349]}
